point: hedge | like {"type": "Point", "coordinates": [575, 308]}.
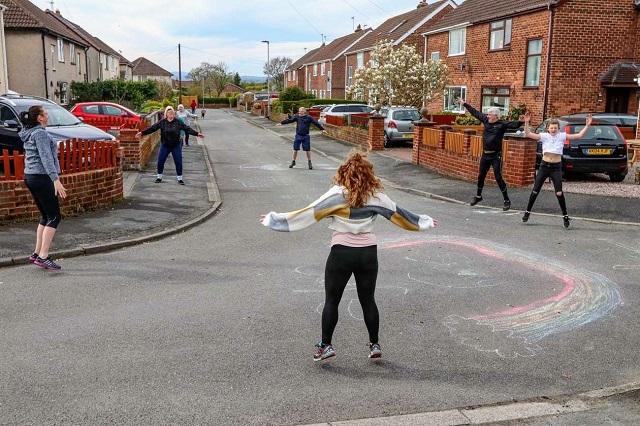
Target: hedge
{"type": "Point", "coordinates": [292, 106]}
{"type": "Point", "coordinates": [225, 101]}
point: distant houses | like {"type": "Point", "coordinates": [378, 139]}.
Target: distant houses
{"type": "Point", "coordinates": [144, 69]}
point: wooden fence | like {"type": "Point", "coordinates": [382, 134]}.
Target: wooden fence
{"type": "Point", "coordinates": [74, 155]}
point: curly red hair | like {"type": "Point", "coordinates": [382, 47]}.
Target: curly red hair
{"type": "Point", "coordinates": [357, 176]}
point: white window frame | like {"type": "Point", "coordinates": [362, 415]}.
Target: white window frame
{"type": "Point", "coordinates": [530, 55]}
{"type": "Point", "coordinates": [79, 63]}
{"type": "Point", "coordinates": [315, 70]}
{"type": "Point", "coordinates": [464, 41]}
{"type": "Point", "coordinates": [323, 68]}
{"type": "Point", "coordinates": [60, 50]}
{"type": "Point", "coordinates": [72, 53]}
{"type": "Point", "coordinates": [329, 80]}
{"type": "Point", "coordinates": [53, 57]}
{"type": "Point", "coordinates": [448, 93]}
{"type": "Point", "coordinates": [507, 32]}
{"type": "Point", "coordinates": [349, 75]}
{"type": "Point", "coordinates": [435, 56]}
{"type": "Point", "coordinates": [360, 60]}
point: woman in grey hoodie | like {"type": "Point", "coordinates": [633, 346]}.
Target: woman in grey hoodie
{"type": "Point", "coordinates": [41, 176]}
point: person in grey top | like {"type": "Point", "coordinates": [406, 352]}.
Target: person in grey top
{"type": "Point", "coordinates": [41, 176]}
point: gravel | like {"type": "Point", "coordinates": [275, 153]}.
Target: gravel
{"type": "Point", "coordinates": [600, 184]}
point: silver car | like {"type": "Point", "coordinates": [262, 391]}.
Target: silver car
{"type": "Point", "coordinates": [342, 110]}
{"type": "Point", "coordinates": [398, 124]}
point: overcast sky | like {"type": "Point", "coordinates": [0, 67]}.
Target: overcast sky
{"type": "Point", "coordinates": [222, 30]}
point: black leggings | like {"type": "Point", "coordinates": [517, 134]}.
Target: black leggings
{"type": "Point", "coordinates": [44, 195]}
{"type": "Point", "coordinates": [487, 161]}
{"type": "Point", "coordinates": [553, 171]}
{"type": "Point", "coordinates": [343, 261]}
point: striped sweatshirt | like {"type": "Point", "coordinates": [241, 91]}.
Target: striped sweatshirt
{"type": "Point", "coordinates": [344, 218]}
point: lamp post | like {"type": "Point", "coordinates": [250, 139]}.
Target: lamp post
{"type": "Point", "coordinates": [268, 80]}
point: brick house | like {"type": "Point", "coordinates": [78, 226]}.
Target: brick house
{"type": "Point", "coordinates": [325, 71]}
{"type": "Point", "coordinates": [144, 69]}
{"type": "Point", "coordinates": [555, 56]}
{"type": "Point", "coordinates": [43, 56]}
{"type": "Point", "coordinates": [406, 28]}
{"type": "Point", "coordinates": [294, 76]}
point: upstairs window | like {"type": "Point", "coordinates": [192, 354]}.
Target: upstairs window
{"type": "Point", "coordinates": [60, 50]}
{"type": "Point", "coordinates": [323, 68]}
{"type": "Point", "coordinates": [315, 70]}
{"type": "Point", "coordinates": [457, 41]}
{"type": "Point", "coordinates": [72, 53]}
{"type": "Point", "coordinates": [350, 75]}
{"type": "Point", "coordinates": [534, 58]}
{"type": "Point", "coordinates": [360, 59]}
{"type": "Point", "coordinates": [500, 35]}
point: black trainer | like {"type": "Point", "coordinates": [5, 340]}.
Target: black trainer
{"type": "Point", "coordinates": [475, 200]}
{"type": "Point", "coordinates": [310, 166]}
{"type": "Point", "coordinates": [47, 263]}
{"type": "Point", "coordinates": [158, 180]}
{"type": "Point", "coordinates": [566, 221]}
{"type": "Point", "coordinates": [180, 181]}
{"type": "Point", "coordinates": [293, 163]}
{"type": "Point", "coordinates": [506, 206]}
{"type": "Point", "coordinates": [525, 217]}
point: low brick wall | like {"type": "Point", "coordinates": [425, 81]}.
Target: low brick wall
{"type": "Point", "coordinates": [349, 134]}
{"type": "Point", "coordinates": [137, 152]}
{"type": "Point", "coordinates": [458, 155]}
{"type": "Point", "coordinates": [89, 190]}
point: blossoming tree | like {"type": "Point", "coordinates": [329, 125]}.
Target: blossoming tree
{"type": "Point", "coordinates": [398, 76]}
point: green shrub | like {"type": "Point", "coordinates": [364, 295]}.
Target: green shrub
{"type": "Point", "coordinates": [133, 93]}
{"type": "Point", "coordinates": [291, 94]}
{"type": "Point", "coordinates": [219, 101]}
{"type": "Point", "coordinates": [467, 120]}
{"type": "Point", "coordinates": [515, 112]}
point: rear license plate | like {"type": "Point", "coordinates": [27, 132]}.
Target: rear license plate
{"type": "Point", "coordinates": [408, 135]}
{"type": "Point", "coordinates": [599, 151]}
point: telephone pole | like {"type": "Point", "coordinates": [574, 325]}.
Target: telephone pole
{"type": "Point", "coordinates": [179, 75]}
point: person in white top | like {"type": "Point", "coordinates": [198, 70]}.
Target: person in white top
{"type": "Point", "coordinates": [185, 116]}
{"type": "Point", "coordinates": [553, 142]}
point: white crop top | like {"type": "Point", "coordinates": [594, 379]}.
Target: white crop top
{"type": "Point", "coordinates": [553, 144]}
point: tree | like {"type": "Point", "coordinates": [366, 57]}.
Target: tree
{"type": "Point", "coordinates": [215, 76]}
{"type": "Point", "coordinates": [236, 79]}
{"type": "Point", "coordinates": [398, 76]}
{"type": "Point", "coordinates": [275, 70]}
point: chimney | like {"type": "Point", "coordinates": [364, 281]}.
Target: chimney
{"type": "Point", "coordinates": [422, 3]}
{"type": "Point", "coordinates": [57, 11]}
{"type": "Point", "coordinates": [358, 28]}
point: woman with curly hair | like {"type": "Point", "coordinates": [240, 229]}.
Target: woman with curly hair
{"type": "Point", "coordinates": [352, 204]}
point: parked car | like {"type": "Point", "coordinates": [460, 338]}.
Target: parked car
{"type": "Point", "coordinates": [620, 120]}
{"type": "Point", "coordinates": [92, 110]}
{"type": "Point", "coordinates": [344, 109]}
{"type": "Point", "coordinates": [62, 124]}
{"type": "Point", "coordinates": [398, 124]}
{"type": "Point", "coordinates": [602, 150]}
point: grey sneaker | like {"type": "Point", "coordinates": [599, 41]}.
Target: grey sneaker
{"type": "Point", "coordinates": [47, 263]}
{"type": "Point", "coordinates": [374, 351]}
{"type": "Point", "coordinates": [323, 352]}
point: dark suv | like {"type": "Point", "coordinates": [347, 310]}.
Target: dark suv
{"type": "Point", "coordinates": [602, 150]}
{"type": "Point", "coordinates": [62, 124]}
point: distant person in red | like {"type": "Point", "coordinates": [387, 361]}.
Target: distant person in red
{"type": "Point", "coordinates": [194, 104]}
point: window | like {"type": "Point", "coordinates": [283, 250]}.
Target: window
{"type": "Point", "coordinates": [451, 94]}
{"type": "Point", "coordinates": [323, 68]}
{"type": "Point", "coordinates": [90, 109]}
{"type": "Point", "coordinates": [329, 80]}
{"type": "Point", "coordinates": [60, 50]}
{"type": "Point", "coordinates": [435, 56]}
{"type": "Point", "coordinates": [500, 35]}
{"type": "Point", "coordinates": [295, 75]}
{"type": "Point", "coordinates": [107, 59]}
{"type": "Point", "coordinates": [6, 114]}
{"type": "Point", "coordinates": [315, 70]}
{"type": "Point", "coordinates": [534, 57]}
{"type": "Point", "coordinates": [72, 53]}
{"type": "Point", "coordinates": [111, 110]}
{"type": "Point", "coordinates": [78, 63]}
{"type": "Point", "coordinates": [53, 57]}
{"type": "Point", "coordinates": [64, 86]}
{"type": "Point", "coordinates": [495, 97]}
{"type": "Point", "coordinates": [457, 41]}
{"type": "Point", "coordinates": [360, 59]}
{"type": "Point", "coordinates": [350, 76]}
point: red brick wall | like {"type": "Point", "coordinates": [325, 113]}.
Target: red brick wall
{"type": "Point", "coordinates": [137, 151]}
{"type": "Point", "coordinates": [88, 190]}
{"type": "Point", "coordinates": [371, 139]}
{"type": "Point", "coordinates": [319, 82]}
{"type": "Point", "coordinates": [589, 37]}
{"type": "Point", "coordinates": [338, 73]}
{"type": "Point", "coordinates": [504, 68]}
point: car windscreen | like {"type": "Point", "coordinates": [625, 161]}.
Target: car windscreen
{"type": "Point", "coordinates": [406, 115]}
{"type": "Point", "coordinates": [58, 116]}
{"type": "Point", "coordinates": [605, 133]}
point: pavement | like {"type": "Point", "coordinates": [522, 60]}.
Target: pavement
{"type": "Point", "coordinates": [216, 325]}
{"type": "Point", "coordinates": [149, 211]}
{"type": "Point", "coordinates": [395, 165]}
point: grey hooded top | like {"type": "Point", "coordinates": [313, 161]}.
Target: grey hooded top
{"type": "Point", "coordinates": [40, 153]}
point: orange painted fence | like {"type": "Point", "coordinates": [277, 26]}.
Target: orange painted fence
{"type": "Point", "coordinates": [74, 155]}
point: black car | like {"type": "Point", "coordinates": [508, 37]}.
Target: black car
{"type": "Point", "coordinates": [602, 150]}
{"type": "Point", "coordinates": [62, 124]}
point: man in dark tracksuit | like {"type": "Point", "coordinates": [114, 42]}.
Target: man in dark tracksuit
{"type": "Point", "coordinates": [303, 123]}
{"type": "Point", "coordinates": [494, 130]}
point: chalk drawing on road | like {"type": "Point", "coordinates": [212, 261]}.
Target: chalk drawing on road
{"type": "Point", "coordinates": [626, 267]}
{"type": "Point", "coordinates": [585, 297]}
{"type": "Point", "coordinates": [630, 251]}
{"type": "Point", "coordinates": [285, 167]}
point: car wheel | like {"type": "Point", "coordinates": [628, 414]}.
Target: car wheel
{"type": "Point", "coordinates": [617, 177]}
{"type": "Point", "coordinates": [387, 141]}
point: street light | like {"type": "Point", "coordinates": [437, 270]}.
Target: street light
{"type": "Point", "coordinates": [268, 80]}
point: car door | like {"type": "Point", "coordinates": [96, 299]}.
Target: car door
{"type": "Point", "coordinates": [112, 111]}
{"type": "Point", "coordinates": [90, 112]}
{"type": "Point", "coordinates": [10, 126]}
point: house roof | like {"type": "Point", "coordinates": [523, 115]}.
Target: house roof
{"type": "Point", "coordinates": [477, 11]}
{"type": "Point", "coordinates": [337, 47]}
{"type": "Point", "coordinates": [143, 66]}
{"type": "Point", "coordinates": [398, 27]}
{"type": "Point", "coordinates": [621, 73]}
{"type": "Point", "coordinates": [234, 86]}
{"type": "Point", "coordinates": [90, 40]}
{"type": "Point", "coordinates": [22, 14]}
{"type": "Point", "coordinates": [304, 59]}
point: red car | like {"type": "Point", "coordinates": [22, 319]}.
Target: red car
{"type": "Point", "coordinates": [92, 110]}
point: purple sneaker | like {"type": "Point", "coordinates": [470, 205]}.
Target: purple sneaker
{"type": "Point", "coordinates": [33, 258]}
{"type": "Point", "coordinates": [47, 263]}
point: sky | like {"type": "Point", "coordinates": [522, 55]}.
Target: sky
{"type": "Point", "coordinates": [222, 30]}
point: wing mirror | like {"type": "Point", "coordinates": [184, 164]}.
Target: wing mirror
{"type": "Point", "coordinates": [11, 124]}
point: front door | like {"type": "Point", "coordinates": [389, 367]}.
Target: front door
{"type": "Point", "coordinates": [618, 100]}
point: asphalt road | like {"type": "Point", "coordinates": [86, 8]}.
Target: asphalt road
{"type": "Point", "coordinates": [217, 325]}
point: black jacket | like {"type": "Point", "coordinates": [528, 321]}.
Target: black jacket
{"type": "Point", "coordinates": [169, 131]}
{"type": "Point", "coordinates": [303, 123]}
{"type": "Point", "coordinates": [493, 132]}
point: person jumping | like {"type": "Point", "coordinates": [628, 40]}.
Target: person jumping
{"type": "Point", "coordinates": [303, 122]}
{"type": "Point", "coordinates": [551, 165]}
{"type": "Point", "coordinates": [352, 204]}
{"type": "Point", "coordinates": [494, 130]}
